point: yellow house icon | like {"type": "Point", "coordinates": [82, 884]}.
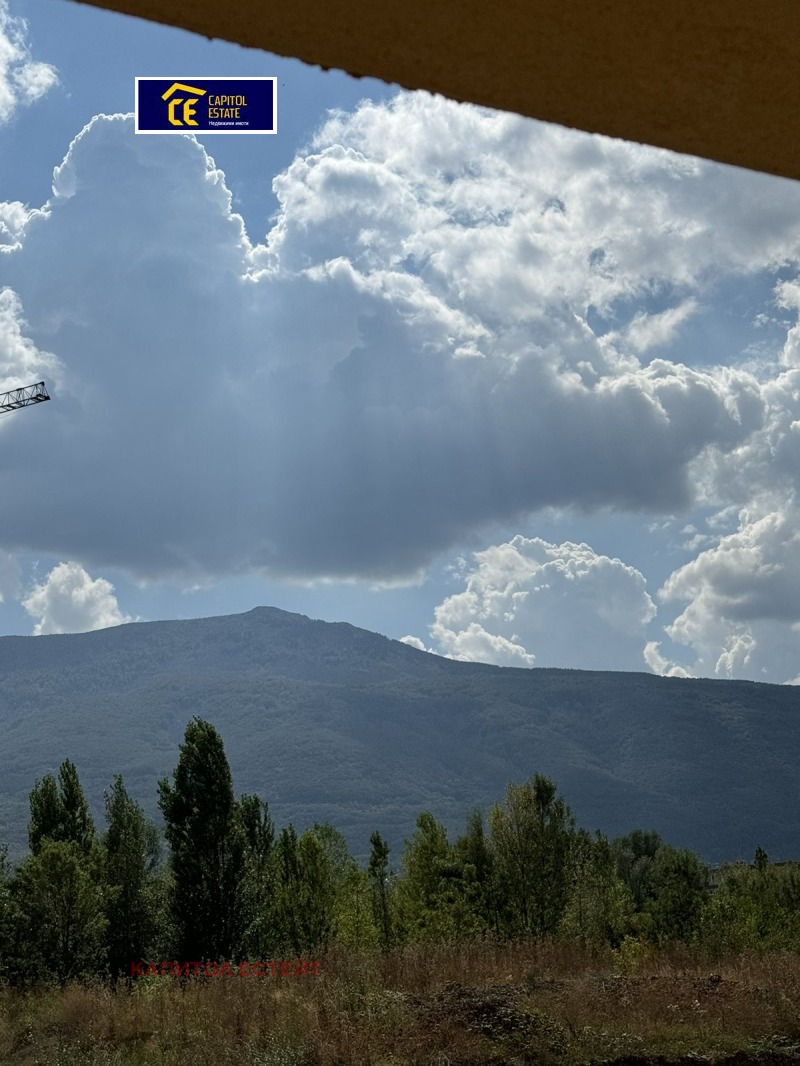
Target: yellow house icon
{"type": "Point", "coordinates": [187, 110]}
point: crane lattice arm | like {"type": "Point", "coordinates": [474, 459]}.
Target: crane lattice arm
{"type": "Point", "coordinates": [10, 401]}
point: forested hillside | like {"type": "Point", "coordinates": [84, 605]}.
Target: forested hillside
{"type": "Point", "coordinates": [237, 890]}
{"type": "Point", "coordinates": [332, 723]}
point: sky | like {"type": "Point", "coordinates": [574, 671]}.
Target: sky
{"type": "Point", "coordinates": [509, 392]}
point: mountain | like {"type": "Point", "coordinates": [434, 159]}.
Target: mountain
{"type": "Point", "coordinates": [333, 723]}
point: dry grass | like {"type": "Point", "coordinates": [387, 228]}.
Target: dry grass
{"type": "Point", "coordinates": [461, 1005]}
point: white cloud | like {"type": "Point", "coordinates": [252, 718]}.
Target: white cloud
{"type": "Point", "coordinates": [406, 361]}
{"type": "Point", "coordinates": [656, 330]}
{"type": "Point", "coordinates": [513, 216]}
{"type": "Point", "coordinates": [787, 296]}
{"type": "Point", "coordinates": [741, 613]}
{"type": "Point", "coordinates": [751, 574]}
{"type": "Point", "coordinates": [69, 600]}
{"type": "Point", "coordinates": [659, 665]}
{"type": "Point", "coordinates": [556, 604]}
{"type": "Point", "coordinates": [13, 219]}
{"type": "Point", "coordinates": [413, 642]}
{"type": "Point", "coordinates": [740, 597]}
{"type": "Point", "coordinates": [474, 643]}
{"type": "Point", "coordinates": [23, 80]}
{"type": "Point", "coordinates": [21, 362]}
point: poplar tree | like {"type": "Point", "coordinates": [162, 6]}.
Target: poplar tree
{"type": "Point", "coordinates": [58, 894]}
{"type": "Point", "coordinates": [285, 917]}
{"type": "Point", "coordinates": [437, 887]}
{"type": "Point", "coordinates": [57, 901]}
{"type": "Point", "coordinates": [78, 824]}
{"type": "Point", "coordinates": [378, 871]}
{"type": "Point", "coordinates": [531, 835]}
{"type": "Point", "coordinates": [304, 880]}
{"type": "Point", "coordinates": [427, 868]}
{"type": "Point", "coordinates": [634, 855]}
{"type": "Point", "coordinates": [207, 842]}
{"type": "Point", "coordinates": [131, 904]}
{"type": "Point", "coordinates": [59, 811]}
{"type": "Point", "coordinates": [317, 892]}
{"type": "Point", "coordinates": [599, 904]}
{"type": "Point", "coordinates": [680, 882]}
{"type": "Point", "coordinates": [46, 813]}
{"type": "Point", "coordinates": [352, 922]}
{"type": "Point", "coordinates": [259, 832]}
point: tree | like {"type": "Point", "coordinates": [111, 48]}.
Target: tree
{"type": "Point", "coordinates": [317, 897]}
{"type": "Point", "coordinates": [286, 923]}
{"type": "Point", "coordinates": [78, 825]}
{"type": "Point", "coordinates": [530, 836]}
{"type": "Point", "coordinates": [679, 893]}
{"type": "Point", "coordinates": [258, 828]}
{"type": "Point", "coordinates": [754, 908]}
{"type": "Point", "coordinates": [599, 904]}
{"type": "Point", "coordinates": [634, 855]}
{"type": "Point", "coordinates": [208, 848]}
{"type": "Point", "coordinates": [46, 813]}
{"type": "Point", "coordinates": [340, 861]}
{"type": "Point", "coordinates": [477, 859]}
{"type": "Point", "coordinates": [131, 906]}
{"type": "Point", "coordinates": [426, 861]}
{"type": "Point", "coordinates": [303, 910]}
{"type": "Point", "coordinates": [435, 894]}
{"type": "Point", "coordinates": [59, 811]}
{"type": "Point", "coordinates": [355, 925]}
{"type": "Point", "coordinates": [352, 922]}
{"type": "Point", "coordinates": [59, 913]}
{"type": "Point", "coordinates": [259, 832]}
{"type": "Point", "coordinates": [378, 873]}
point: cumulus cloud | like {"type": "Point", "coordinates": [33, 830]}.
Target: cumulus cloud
{"type": "Point", "coordinates": [741, 613]}
{"type": "Point", "coordinates": [69, 600]}
{"type": "Point", "coordinates": [23, 80]}
{"type": "Point", "coordinates": [406, 360]}
{"type": "Point", "coordinates": [751, 574]}
{"type": "Point", "coordinates": [529, 601]}
{"type": "Point", "coordinates": [21, 362]}
{"type": "Point", "coordinates": [739, 598]}
{"type": "Point", "coordinates": [13, 218]}
{"type": "Point", "coordinates": [659, 665]}
{"type": "Point", "coordinates": [413, 642]}
{"type": "Point", "coordinates": [656, 330]}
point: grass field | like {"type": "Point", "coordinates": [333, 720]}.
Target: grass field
{"type": "Point", "coordinates": [442, 1005]}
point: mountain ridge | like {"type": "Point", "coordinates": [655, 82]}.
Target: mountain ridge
{"type": "Point", "coordinates": [332, 722]}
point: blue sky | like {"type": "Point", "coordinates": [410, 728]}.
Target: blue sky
{"type": "Point", "coordinates": [511, 392]}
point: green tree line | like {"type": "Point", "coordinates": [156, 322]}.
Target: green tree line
{"type": "Point", "coordinates": [229, 886]}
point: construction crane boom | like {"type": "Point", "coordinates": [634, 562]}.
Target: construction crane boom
{"type": "Point", "coordinates": [10, 401]}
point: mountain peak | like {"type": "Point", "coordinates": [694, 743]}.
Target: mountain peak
{"type": "Point", "coordinates": [329, 722]}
